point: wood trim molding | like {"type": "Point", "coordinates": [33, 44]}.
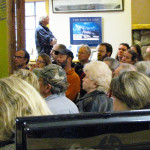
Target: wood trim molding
{"type": "Point", "coordinates": [20, 5]}
{"type": "Point", "coordinates": [11, 33]}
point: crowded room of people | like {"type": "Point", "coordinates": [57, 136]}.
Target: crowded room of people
{"type": "Point", "coordinates": [74, 74]}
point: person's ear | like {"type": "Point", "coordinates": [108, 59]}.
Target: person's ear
{"type": "Point", "coordinates": [26, 59]}
{"type": "Point", "coordinates": [48, 88]}
{"type": "Point", "coordinates": [69, 59]}
{"type": "Point", "coordinates": [108, 54]}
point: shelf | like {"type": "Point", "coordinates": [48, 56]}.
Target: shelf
{"type": "Point", "coordinates": [140, 26]}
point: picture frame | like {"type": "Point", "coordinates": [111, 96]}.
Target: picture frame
{"type": "Point", "coordinates": [86, 30]}
{"type": "Point", "coordinates": [62, 6]}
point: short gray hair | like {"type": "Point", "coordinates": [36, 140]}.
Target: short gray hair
{"type": "Point", "coordinates": [42, 17]}
{"type": "Point", "coordinates": [114, 63]}
{"type": "Point", "coordinates": [88, 49]}
{"type": "Point", "coordinates": [143, 67]}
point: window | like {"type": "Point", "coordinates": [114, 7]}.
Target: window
{"type": "Point", "coordinates": [32, 11]}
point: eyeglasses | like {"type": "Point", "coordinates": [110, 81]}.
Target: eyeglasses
{"type": "Point", "coordinates": [18, 57]}
{"type": "Point", "coordinates": [101, 51]}
{"type": "Point", "coordinates": [80, 53]}
{"type": "Point", "coordinates": [40, 61]}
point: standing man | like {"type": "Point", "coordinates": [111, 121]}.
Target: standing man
{"type": "Point", "coordinates": [44, 38]}
{"type": "Point", "coordinates": [64, 59]}
{"type": "Point", "coordinates": [21, 59]}
{"type": "Point", "coordinates": [104, 50]}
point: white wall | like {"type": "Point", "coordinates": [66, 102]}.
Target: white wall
{"type": "Point", "coordinates": [116, 25]}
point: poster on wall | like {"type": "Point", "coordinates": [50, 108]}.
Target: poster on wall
{"type": "Point", "coordinates": [85, 30]}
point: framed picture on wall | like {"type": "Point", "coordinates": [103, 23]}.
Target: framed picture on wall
{"type": "Point", "coordinates": [87, 5]}
{"type": "Point", "coordinates": [86, 30]}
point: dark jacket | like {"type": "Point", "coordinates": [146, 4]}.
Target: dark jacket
{"type": "Point", "coordinates": [79, 70]}
{"type": "Point", "coordinates": [95, 101]}
{"type": "Point", "coordinates": [43, 37]}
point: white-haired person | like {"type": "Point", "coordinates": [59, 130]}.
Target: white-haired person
{"type": "Point", "coordinates": [44, 38]}
{"type": "Point", "coordinates": [18, 99]}
{"type": "Point", "coordinates": [96, 83]}
{"type": "Point", "coordinates": [28, 76]}
{"type": "Point", "coordinates": [130, 91]}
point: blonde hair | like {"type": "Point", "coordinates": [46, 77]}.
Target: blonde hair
{"type": "Point", "coordinates": [100, 73]}
{"type": "Point", "coordinates": [28, 76]}
{"type": "Point", "coordinates": [18, 99]}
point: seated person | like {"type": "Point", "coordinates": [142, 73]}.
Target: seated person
{"type": "Point", "coordinates": [143, 67]}
{"type": "Point", "coordinates": [83, 57]}
{"type": "Point", "coordinates": [53, 85]}
{"type": "Point", "coordinates": [146, 56]}
{"type": "Point", "coordinates": [104, 50]}
{"type": "Point", "coordinates": [124, 67]}
{"type": "Point", "coordinates": [18, 99]}
{"type": "Point", "coordinates": [56, 47]}
{"type": "Point", "coordinates": [64, 59]}
{"type": "Point", "coordinates": [137, 49]}
{"type": "Point", "coordinates": [130, 91]}
{"type": "Point", "coordinates": [129, 57]}
{"type": "Point", "coordinates": [96, 83]}
{"type": "Point", "coordinates": [28, 76]}
{"type": "Point", "coordinates": [21, 59]}
{"type": "Point", "coordinates": [42, 61]}
{"type": "Point", "coordinates": [121, 49]}
{"type": "Point", "coordinates": [112, 63]}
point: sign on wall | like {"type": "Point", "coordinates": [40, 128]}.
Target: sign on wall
{"type": "Point", "coordinates": [86, 30]}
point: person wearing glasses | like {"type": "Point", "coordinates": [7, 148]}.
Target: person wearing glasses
{"type": "Point", "coordinates": [104, 50]}
{"type": "Point", "coordinates": [84, 53]}
{"type": "Point", "coordinates": [21, 59]}
{"type": "Point", "coordinates": [42, 61]}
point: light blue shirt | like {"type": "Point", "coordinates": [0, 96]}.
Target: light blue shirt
{"type": "Point", "coordinates": [60, 104]}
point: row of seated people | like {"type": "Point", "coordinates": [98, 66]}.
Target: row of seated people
{"type": "Point", "coordinates": [20, 95]}
{"type": "Point", "coordinates": [124, 55]}
{"type": "Point", "coordinates": [127, 91]}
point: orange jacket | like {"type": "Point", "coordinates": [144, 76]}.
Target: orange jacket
{"type": "Point", "coordinates": [74, 84]}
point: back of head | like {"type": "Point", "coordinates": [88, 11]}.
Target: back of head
{"type": "Point", "coordinates": [146, 56]}
{"type": "Point", "coordinates": [28, 76]}
{"type": "Point", "coordinates": [113, 63]}
{"type": "Point", "coordinates": [100, 73]}
{"type": "Point", "coordinates": [124, 67]}
{"type": "Point", "coordinates": [132, 88]}
{"type": "Point", "coordinates": [18, 99]}
{"type": "Point", "coordinates": [143, 67]}
{"type": "Point", "coordinates": [55, 76]}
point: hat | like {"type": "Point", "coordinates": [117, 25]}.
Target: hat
{"type": "Point", "coordinates": [53, 74]}
{"type": "Point", "coordinates": [65, 52]}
